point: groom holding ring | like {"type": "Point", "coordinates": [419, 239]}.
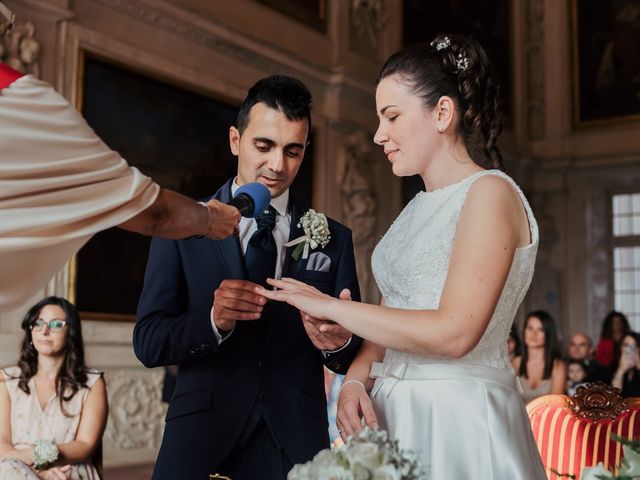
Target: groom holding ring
{"type": "Point", "coordinates": [249, 400]}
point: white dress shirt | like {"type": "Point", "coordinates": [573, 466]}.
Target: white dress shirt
{"type": "Point", "coordinates": [247, 228]}
{"type": "Point", "coordinates": [281, 232]}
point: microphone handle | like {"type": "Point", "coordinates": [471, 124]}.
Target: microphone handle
{"type": "Point", "coordinates": [244, 203]}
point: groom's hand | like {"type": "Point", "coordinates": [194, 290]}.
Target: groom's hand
{"type": "Point", "coordinates": [326, 335]}
{"type": "Point", "coordinates": [236, 300]}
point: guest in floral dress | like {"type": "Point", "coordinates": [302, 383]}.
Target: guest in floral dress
{"type": "Point", "coordinates": [53, 410]}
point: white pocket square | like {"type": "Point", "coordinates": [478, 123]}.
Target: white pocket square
{"type": "Point", "coordinates": [319, 262]}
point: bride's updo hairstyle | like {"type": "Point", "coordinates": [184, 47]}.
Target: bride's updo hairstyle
{"type": "Point", "coordinates": [457, 67]}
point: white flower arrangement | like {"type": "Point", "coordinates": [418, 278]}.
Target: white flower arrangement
{"type": "Point", "coordinates": [369, 455]}
{"type": "Point", "coordinates": [316, 234]}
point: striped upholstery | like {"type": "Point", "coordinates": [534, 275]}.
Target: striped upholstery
{"type": "Point", "coordinates": [568, 442]}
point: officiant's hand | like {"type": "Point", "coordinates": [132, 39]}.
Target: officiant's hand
{"type": "Point", "coordinates": [326, 335]}
{"type": "Point", "coordinates": [354, 406]}
{"type": "Point", "coordinates": [236, 300]}
{"type": "Point", "coordinates": [300, 295]}
{"type": "Point", "coordinates": [223, 220]}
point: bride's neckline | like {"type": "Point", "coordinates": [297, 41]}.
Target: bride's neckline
{"type": "Point", "coordinates": [454, 184]}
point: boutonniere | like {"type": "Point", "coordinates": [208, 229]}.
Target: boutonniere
{"type": "Point", "coordinates": [316, 234]}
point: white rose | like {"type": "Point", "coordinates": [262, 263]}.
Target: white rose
{"type": "Point", "coordinates": [630, 463]}
{"type": "Point", "coordinates": [45, 451]}
{"type": "Point", "coordinates": [595, 473]}
{"type": "Point", "coordinates": [386, 472]}
{"type": "Point", "coordinates": [366, 454]}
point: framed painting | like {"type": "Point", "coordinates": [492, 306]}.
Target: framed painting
{"type": "Point", "coordinates": [172, 134]}
{"type": "Point", "coordinates": [606, 61]}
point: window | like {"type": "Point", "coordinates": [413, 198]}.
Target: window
{"type": "Point", "coordinates": [626, 256]}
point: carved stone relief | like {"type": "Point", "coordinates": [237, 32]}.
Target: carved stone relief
{"type": "Point", "coordinates": [359, 202]}
{"type": "Point", "coordinates": [368, 23]}
{"type": "Point", "coordinates": [135, 410]}
{"type": "Point", "coordinates": [20, 50]}
{"type": "Point", "coordinates": [534, 64]}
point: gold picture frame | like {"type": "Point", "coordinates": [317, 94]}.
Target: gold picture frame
{"type": "Point", "coordinates": [605, 69]}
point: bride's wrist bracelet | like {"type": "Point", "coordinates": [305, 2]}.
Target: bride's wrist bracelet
{"type": "Point", "coordinates": [348, 382]}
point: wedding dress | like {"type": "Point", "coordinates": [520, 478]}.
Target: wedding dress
{"type": "Point", "coordinates": [463, 418]}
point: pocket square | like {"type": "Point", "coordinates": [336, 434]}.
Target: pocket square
{"type": "Point", "coordinates": [319, 262]}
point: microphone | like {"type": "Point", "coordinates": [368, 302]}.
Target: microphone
{"type": "Point", "coordinates": [251, 199]}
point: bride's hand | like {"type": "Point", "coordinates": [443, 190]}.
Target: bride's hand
{"type": "Point", "coordinates": [354, 404]}
{"type": "Point", "coordinates": [304, 297]}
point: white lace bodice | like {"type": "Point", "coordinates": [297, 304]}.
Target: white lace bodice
{"type": "Point", "coordinates": [411, 261]}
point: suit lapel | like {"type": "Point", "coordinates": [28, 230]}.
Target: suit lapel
{"type": "Point", "coordinates": [229, 249]}
{"type": "Point", "coordinates": [294, 268]}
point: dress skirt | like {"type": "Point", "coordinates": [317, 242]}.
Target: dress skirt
{"type": "Point", "coordinates": [461, 421]}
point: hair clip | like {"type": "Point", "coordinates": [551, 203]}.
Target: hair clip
{"type": "Point", "coordinates": [462, 62]}
{"type": "Point", "coordinates": [442, 44]}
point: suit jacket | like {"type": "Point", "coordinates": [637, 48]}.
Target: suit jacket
{"type": "Point", "coordinates": [270, 362]}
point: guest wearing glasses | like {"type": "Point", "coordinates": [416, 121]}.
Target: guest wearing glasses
{"type": "Point", "coordinates": [53, 409]}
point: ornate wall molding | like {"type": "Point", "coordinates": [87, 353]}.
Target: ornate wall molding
{"type": "Point", "coordinates": [136, 410]}
{"type": "Point", "coordinates": [368, 22]}
{"type": "Point", "coordinates": [359, 202]}
{"type": "Point", "coordinates": [535, 69]}
{"type": "Point", "coordinates": [20, 49]}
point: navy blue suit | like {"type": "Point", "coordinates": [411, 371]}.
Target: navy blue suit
{"type": "Point", "coordinates": [269, 364]}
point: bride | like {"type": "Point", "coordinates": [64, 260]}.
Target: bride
{"type": "Point", "coordinates": [452, 269]}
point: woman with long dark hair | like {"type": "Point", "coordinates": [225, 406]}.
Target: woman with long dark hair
{"type": "Point", "coordinates": [453, 269]}
{"type": "Point", "coordinates": [614, 327]}
{"type": "Point", "coordinates": [626, 375]}
{"type": "Point", "coordinates": [53, 409]}
{"type": "Point", "coordinates": [540, 368]}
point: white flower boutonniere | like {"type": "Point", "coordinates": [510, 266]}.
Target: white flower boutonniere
{"type": "Point", "coordinates": [316, 234]}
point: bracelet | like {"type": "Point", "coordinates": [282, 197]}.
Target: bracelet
{"type": "Point", "coordinates": [208, 218]}
{"type": "Point", "coordinates": [357, 382]}
{"type": "Point", "coordinates": [45, 452]}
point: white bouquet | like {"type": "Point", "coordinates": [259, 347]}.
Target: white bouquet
{"type": "Point", "coordinates": [369, 455]}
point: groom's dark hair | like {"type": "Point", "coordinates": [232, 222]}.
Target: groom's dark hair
{"type": "Point", "coordinates": [280, 92]}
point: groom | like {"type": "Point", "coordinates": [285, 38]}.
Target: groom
{"type": "Point", "coordinates": [249, 401]}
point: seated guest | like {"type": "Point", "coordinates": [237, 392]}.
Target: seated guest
{"type": "Point", "coordinates": [581, 348]}
{"type": "Point", "coordinates": [627, 376]}
{"type": "Point", "coordinates": [53, 410]}
{"type": "Point", "coordinates": [576, 375]}
{"type": "Point", "coordinates": [614, 327]}
{"type": "Point", "coordinates": [540, 369]}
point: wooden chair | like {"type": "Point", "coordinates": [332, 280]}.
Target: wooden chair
{"type": "Point", "coordinates": [574, 432]}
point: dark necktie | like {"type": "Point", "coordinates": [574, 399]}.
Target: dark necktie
{"type": "Point", "coordinates": [260, 257]}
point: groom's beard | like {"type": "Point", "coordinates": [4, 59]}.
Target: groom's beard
{"type": "Point", "coordinates": [7, 19]}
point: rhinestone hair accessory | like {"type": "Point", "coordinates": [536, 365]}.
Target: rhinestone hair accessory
{"type": "Point", "coordinates": [442, 44]}
{"type": "Point", "coordinates": [462, 62]}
